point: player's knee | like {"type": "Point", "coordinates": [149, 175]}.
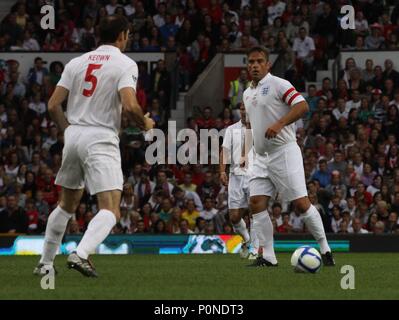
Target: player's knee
{"type": "Point", "coordinates": [256, 205]}
{"type": "Point", "coordinates": [235, 216]}
{"type": "Point", "coordinates": [302, 204]}
{"type": "Point", "coordinates": [68, 207]}
{"type": "Point", "coordinates": [117, 214]}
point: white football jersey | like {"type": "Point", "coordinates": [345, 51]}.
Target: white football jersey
{"type": "Point", "coordinates": [234, 141]}
{"type": "Point", "coordinates": [267, 103]}
{"type": "Point", "coordinates": [94, 80]}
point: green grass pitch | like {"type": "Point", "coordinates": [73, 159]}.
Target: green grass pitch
{"type": "Point", "coordinates": [202, 277]}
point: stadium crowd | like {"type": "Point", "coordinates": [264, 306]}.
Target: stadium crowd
{"type": "Point", "coordinates": [349, 137]}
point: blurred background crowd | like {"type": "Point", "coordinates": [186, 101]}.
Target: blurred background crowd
{"type": "Point", "coordinates": [349, 137]}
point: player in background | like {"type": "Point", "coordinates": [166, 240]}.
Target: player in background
{"type": "Point", "coordinates": [98, 85]}
{"type": "Point", "coordinates": [233, 152]}
{"type": "Point", "coordinates": [249, 162]}
{"type": "Point", "coordinates": [273, 105]}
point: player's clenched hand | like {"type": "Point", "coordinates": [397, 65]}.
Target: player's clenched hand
{"type": "Point", "coordinates": [274, 130]}
{"type": "Point", "coordinates": [148, 122]}
{"type": "Point", "coordinates": [224, 179]}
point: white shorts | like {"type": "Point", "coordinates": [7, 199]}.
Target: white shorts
{"type": "Point", "coordinates": [281, 171]}
{"type": "Point", "coordinates": [90, 156]}
{"type": "Point", "coordinates": [238, 192]}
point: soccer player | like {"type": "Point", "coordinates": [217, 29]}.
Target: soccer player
{"type": "Point", "coordinates": [273, 105]}
{"type": "Point", "coordinates": [233, 151]}
{"type": "Point", "coordinates": [98, 85]}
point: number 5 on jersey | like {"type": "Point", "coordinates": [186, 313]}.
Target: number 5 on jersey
{"type": "Point", "coordinates": [90, 77]}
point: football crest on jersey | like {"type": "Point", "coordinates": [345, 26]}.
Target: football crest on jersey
{"type": "Point", "coordinates": [265, 90]}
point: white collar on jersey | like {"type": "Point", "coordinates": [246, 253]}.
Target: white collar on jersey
{"type": "Point", "coordinates": [108, 47]}
{"type": "Point", "coordinates": [261, 81]}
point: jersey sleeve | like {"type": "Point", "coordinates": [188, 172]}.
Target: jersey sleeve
{"type": "Point", "coordinates": [66, 77]}
{"type": "Point", "coordinates": [287, 93]}
{"type": "Point", "coordinates": [129, 77]}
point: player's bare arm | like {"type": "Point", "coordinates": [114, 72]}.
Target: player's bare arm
{"type": "Point", "coordinates": [222, 166]}
{"type": "Point", "coordinates": [248, 141]}
{"type": "Point", "coordinates": [297, 112]}
{"type": "Point", "coordinates": [55, 109]}
{"type": "Point", "coordinates": [133, 109]}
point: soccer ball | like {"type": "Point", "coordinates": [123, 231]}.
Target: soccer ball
{"type": "Point", "coordinates": [306, 259]}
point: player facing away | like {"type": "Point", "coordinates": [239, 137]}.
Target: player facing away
{"type": "Point", "coordinates": [98, 85]}
{"type": "Point", "coordinates": [233, 152]}
{"type": "Point", "coordinates": [273, 105]}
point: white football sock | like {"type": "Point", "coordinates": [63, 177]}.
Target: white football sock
{"type": "Point", "coordinates": [241, 228]}
{"type": "Point", "coordinates": [263, 228]}
{"type": "Point", "coordinates": [314, 224]}
{"type": "Point", "coordinates": [254, 239]}
{"type": "Point", "coordinates": [98, 229]}
{"type": "Point", "coordinates": [55, 229]}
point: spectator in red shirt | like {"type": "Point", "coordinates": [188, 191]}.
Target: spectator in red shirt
{"type": "Point", "coordinates": [286, 227]}
{"type": "Point", "coordinates": [215, 11]}
{"type": "Point", "coordinates": [361, 195]}
{"type": "Point", "coordinates": [33, 216]}
{"type": "Point", "coordinates": [198, 175]}
{"type": "Point", "coordinates": [49, 189]}
{"type": "Point", "coordinates": [326, 89]}
{"type": "Point", "coordinates": [206, 121]}
{"type": "Point", "coordinates": [227, 117]}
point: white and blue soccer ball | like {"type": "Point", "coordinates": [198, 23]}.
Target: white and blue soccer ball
{"type": "Point", "coordinates": [306, 259]}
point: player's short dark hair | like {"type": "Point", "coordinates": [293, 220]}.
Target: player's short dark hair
{"type": "Point", "coordinates": [258, 49]}
{"type": "Point", "coordinates": [111, 26]}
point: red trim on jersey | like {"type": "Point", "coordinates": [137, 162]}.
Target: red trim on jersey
{"type": "Point", "coordinates": [287, 93]}
{"type": "Point", "coordinates": [292, 98]}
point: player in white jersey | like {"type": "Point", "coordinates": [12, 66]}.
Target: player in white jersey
{"type": "Point", "coordinates": [98, 84]}
{"type": "Point", "coordinates": [233, 153]}
{"type": "Point", "coordinates": [273, 105]}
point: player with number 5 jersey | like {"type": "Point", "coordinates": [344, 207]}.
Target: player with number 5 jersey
{"type": "Point", "coordinates": [98, 85]}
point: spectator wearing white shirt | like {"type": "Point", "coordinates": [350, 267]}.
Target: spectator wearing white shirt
{"type": "Point", "coordinates": [336, 219]}
{"type": "Point", "coordinates": [276, 213]}
{"type": "Point", "coordinates": [111, 7]}
{"type": "Point", "coordinates": [358, 164]}
{"type": "Point", "coordinates": [375, 186]}
{"type": "Point", "coordinates": [357, 227]}
{"type": "Point", "coordinates": [37, 104]}
{"type": "Point", "coordinates": [351, 206]}
{"type": "Point", "coordinates": [304, 48]}
{"type": "Point", "coordinates": [184, 228]}
{"type": "Point", "coordinates": [181, 196]}
{"type": "Point", "coordinates": [159, 18]}
{"type": "Point", "coordinates": [361, 24]}
{"type": "Point", "coordinates": [130, 8]}
{"type": "Point", "coordinates": [163, 183]}
{"type": "Point", "coordinates": [375, 40]}
{"type": "Point", "coordinates": [276, 9]}
{"type": "Point", "coordinates": [229, 13]}
{"type": "Point", "coordinates": [355, 102]}
{"type": "Point", "coordinates": [85, 36]}
{"type": "Point", "coordinates": [30, 44]}
{"type": "Point", "coordinates": [209, 211]}
{"type": "Point", "coordinates": [19, 88]}
{"type": "Point", "coordinates": [180, 16]}
{"type": "Point", "coordinates": [52, 139]}
{"type": "Point", "coordinates": [296, 220]}
{"type": "Point", "coordinates": [395, 101]}
{"type": "Point", "coordinates": [3, 114]}
{"type": "Point", "coordinates": [340, 111]}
